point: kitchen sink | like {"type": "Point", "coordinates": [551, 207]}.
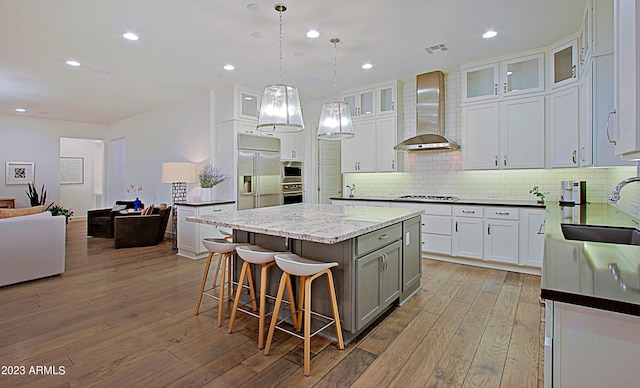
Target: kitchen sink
{"type": "Point", "coordinates": [605, 234]}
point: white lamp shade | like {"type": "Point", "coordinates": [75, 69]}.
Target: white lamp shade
{"type": "Point", "coordinates": [178, 172]}
{"type": "Point", "coordinates": [280, 110]}
{"type": "Point", "coordinates": [335, 122]}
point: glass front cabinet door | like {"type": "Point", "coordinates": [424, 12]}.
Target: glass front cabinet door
{"type": "Point", "coordinates": [564, 64]}
{"type": "Point", "coordinates": [480, 83]}
{"type": "Point", "coordinates": [523, 75]}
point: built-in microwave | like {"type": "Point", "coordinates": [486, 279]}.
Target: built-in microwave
{"type": "Point", "coordinates": [291, 171]}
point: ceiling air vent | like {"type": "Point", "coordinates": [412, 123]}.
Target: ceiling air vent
{"type": "Point", "coordinates": [436, 48]}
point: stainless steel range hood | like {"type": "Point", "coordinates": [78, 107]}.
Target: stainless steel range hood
{"type": "Point", "coordinates": [429, 116]}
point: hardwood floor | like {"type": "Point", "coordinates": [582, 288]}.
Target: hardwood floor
{"type": "Point", "coordinates": [125, 317]}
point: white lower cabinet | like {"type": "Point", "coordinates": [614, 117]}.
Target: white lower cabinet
{"type": "Point", "coordinates": [190, 234]}
{"type": "Point", "coordinates": [588, 347]}
{"type": "Point", "coordinates": [468, 232]}
{"type": "Point", "coordinates": [501, 238]}
{"type": "Point", "coordinates": [531, 237]}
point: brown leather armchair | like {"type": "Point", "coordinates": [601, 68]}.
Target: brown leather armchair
{"type": "Point", "coordinates": [139, 230]}
{"type": "Point", "coordinates": [100, 221]}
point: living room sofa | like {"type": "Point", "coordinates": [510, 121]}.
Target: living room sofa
{"type": "Point", "coordinates": [32, 247]}
{"type": "Point", "coordinates": [141, 230]}
{"type": "Point", "coordinates": [100, 222]}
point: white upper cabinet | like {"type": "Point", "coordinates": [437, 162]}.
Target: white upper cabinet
{"type": "Point", "coordinates": [510, 77]}
{"type": "Point", "coordinates": [586, 36]}
{"type": "Point", "coordinates": [362, 103]}
{"type": "Point", "coordinates": [236, 102]}
{"type": "Point", "coordinates": [388, 98]}
{"type": "Point", "coordinates": [564, 133]}
{"type": "Point", "coordinates": [292, 146]}
{"type": "Point", "coordinates": [523, 75]}
{"type": "Point", "coordinates": [480, 82]}
{"type": "Point", "coordinates": [564, 64]}
{"type": "Point", "coordinates": [504, 135]}
{"type": "Point", "coordinates": [627, 75]}
{"type": "Point", "coordinates": [358, 153]}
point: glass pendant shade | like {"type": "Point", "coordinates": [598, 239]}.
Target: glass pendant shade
{"type": "Point", "coordinates": [335, 122]}
{"type": "Point", "coordinates": [280, 109]}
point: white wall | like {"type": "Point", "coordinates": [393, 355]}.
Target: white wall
{"type": "Point", "coordinates": [178, 132]}
{"type": "Point", "coordinates": [441, 172]}
{"type": "Point", "coordinates": [26, 139]}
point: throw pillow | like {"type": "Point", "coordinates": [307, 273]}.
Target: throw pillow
{"type": "Point", "coordinates": [147, 211]}
{"type": "Point", "coordinates": [117, 208]}
{"type": "Point", "coordinates": [8, 213]}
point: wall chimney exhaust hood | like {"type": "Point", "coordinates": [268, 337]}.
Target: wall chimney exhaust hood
{"type": "Point", "coordinates": [429, 116]}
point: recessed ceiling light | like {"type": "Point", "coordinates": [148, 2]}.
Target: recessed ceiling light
{"type": "Point", "coordinates": [313, 34]}
{"type": "Point", "coordinates": [489, 34]}
{"type": "Point", "coordinates": [73, 63]}
{"type": "Point", "coordinates": [229, 67]}
{"type": "Point", "coordinates": [21, 110]}
{"type": "Point", "coordinates": [257, 35]}
{"type": "Point", "coordinates": [253, 7]}
{"type": "Point", "coordinates": [367, 66]}
{"type": "Point", "coordinates": [130, 36]}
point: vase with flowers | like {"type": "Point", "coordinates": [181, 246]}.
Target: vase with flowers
{"type": "Point", "coordinates": [209, 176]}
{"type": "Point", "coordinates": [135, 191]}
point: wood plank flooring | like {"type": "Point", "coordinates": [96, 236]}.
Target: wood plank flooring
{"type": "Point", "coordinates": [125, 318]}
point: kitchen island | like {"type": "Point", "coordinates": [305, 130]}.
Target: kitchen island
{"type": "Point", "coordinates": [592, 297]}
{"type": "Point", "coordinates": [377, 251]}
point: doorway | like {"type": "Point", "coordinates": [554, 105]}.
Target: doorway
{"type": "Point", "coordinates": [81, 174]}
{"type": "Point", "coordinates": [329, 170]}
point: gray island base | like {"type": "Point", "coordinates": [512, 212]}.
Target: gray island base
{"type": "Point", "coordinates": [377, 251]}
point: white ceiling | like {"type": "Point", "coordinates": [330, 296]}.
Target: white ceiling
{"type": "Point", "coordinates": [184, 44]}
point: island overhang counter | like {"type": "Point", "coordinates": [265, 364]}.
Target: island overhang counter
{"type": "Point", "coordinates": [377, 251]}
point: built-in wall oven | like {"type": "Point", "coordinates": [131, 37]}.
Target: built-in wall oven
{"type": "Point", "coordinates": [292, 182]}
{"type": "Point", "coordinates": [292, 193]}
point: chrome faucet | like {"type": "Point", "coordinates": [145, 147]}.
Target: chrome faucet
{"type": "Point", "coordinates": [615, 194]}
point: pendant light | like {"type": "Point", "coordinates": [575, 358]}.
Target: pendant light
{"type": "Point", "coordinates": [280, 110]}
{"type": "Point", "coordinates": [335, 119]}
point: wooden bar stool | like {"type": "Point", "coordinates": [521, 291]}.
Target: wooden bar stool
{"type": "Point", "coordinates": [308, 271]}
{"type": "Point", "coordinates": [225, 249]}
{"type": "Point", "coordinates": [254, 254]}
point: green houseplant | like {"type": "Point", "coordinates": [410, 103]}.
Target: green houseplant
{"type": "Point", "coordinates": [541, 195]}
{"type": "Point", "coordinates": [58, 210]}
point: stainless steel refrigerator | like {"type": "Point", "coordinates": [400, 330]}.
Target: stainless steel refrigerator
{"type": "Point", "coordinates": [258, 172]}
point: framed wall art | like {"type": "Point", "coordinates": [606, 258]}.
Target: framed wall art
{"type": "Point", "coordinates": [71, 171]}
{"type": "Point", "coordinates": [19, 173]}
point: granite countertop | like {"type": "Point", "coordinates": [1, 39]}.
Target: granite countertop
{"type": "Point", "coordinates": [461, 201]}
{"type": "Point", "coordinates": [598, 275]}
{"type": "Point", "coordinates": [208, 203]}
{"type": "Point", "coordinates": [327, 224]}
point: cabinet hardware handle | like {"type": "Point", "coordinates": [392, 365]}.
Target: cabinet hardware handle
{"type": "Point", "coordinates": [393, 164]}
{"type": "Point", "coordinates": [496, 160]}
{"type": "Point", "coordinates": [573, 71]}
{"type": "Point", "coordinates": [502, 213]}
{"type": "Point", "coordinates": [505, 160]}
{"type": "Point", "coordinates": [504, 88]}
{"type": "Point", "coordinates": [217, 210]}
{"type": "Point", "coordinates": [393, 105]}
{"type": "Point", "coordinates": [383, 236]}
{"type": "Point", "coordinates": [541, 229]}
{"type": "Point", "coordinates": [495, 89]}
{"type": "Point", "coordinates": [469, 211]}
{"type": "Point", "coordinates": [489, 229]}
{"type": "Point", "coordinates": [613, 112]}
{"type": "Point", "coordinates": [456, 226]}
{"type": "Point", "coordinates": [573, 156]}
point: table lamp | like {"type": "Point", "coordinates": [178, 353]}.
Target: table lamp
{"type": "Point", "coordinates": [178, 174]}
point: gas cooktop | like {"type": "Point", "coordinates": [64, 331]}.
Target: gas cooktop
{"type": "Point", "coordinates": [447, 198]}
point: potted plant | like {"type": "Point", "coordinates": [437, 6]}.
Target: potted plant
{"type": "Point", "coordinates": [58, 210]}
{"type": "Point", "coordinates": [35, 198]}
{"type": "Point", "coordinates": [541, 195]}
{"type": "Point", "coordinates": [209, 176]}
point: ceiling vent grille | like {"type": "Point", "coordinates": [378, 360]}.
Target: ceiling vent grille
{"type": "Point", "coordinates": [436, 48]}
